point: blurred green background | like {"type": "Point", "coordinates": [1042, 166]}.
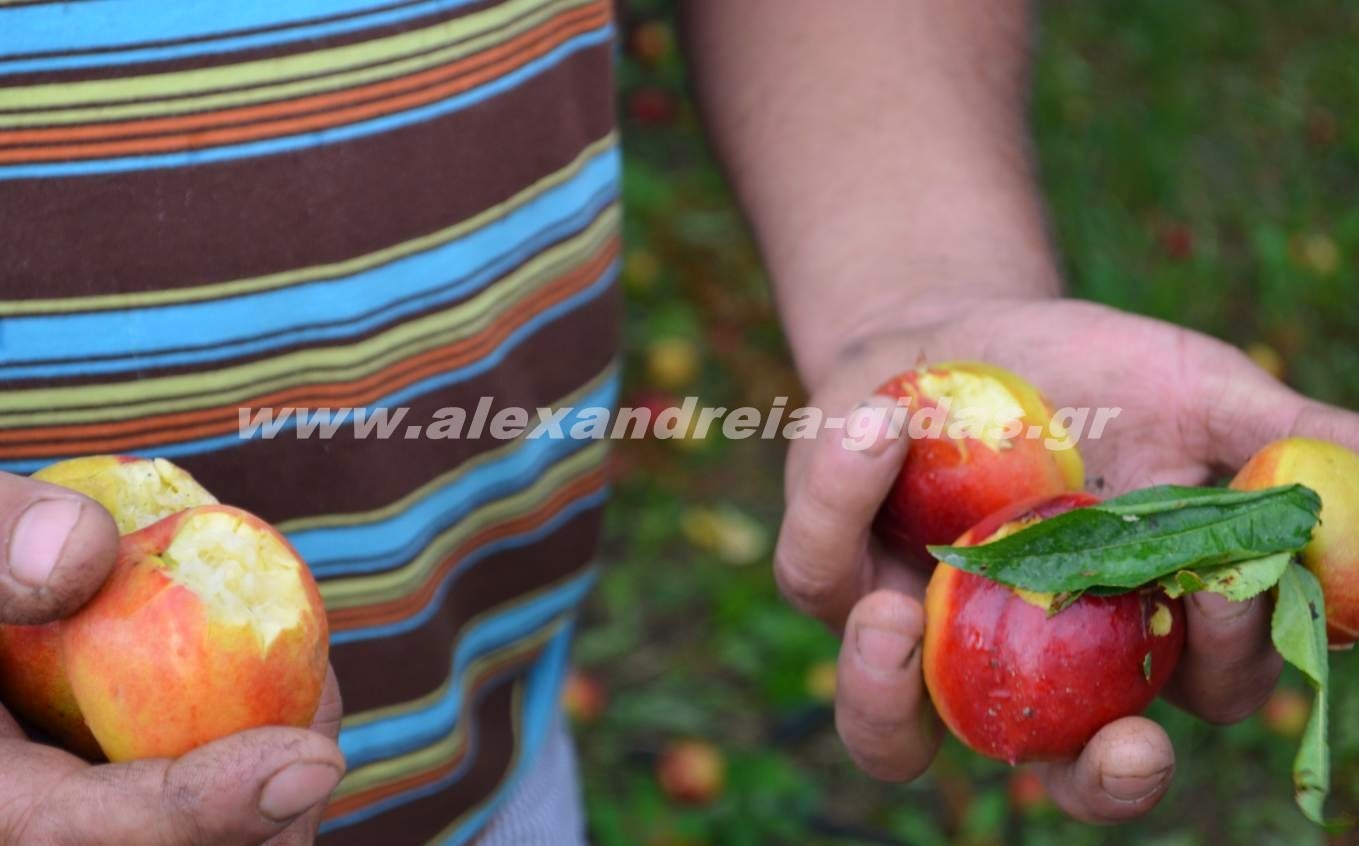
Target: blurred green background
{"type": "Point", "coordinates": [1201, 161]}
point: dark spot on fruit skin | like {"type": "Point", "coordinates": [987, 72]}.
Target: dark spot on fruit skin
{"type": "Point", "coordinates": [1311, 607]}
{"type": "Point", "coordinates": [1027, 713]}
{"type": "Point", "coordinates": [1098, 483]}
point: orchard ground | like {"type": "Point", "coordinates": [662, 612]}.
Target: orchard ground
{"type": "Point", "coordinates": [1201, 162]}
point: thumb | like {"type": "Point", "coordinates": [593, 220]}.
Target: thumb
{"type": "Point", "coordinates": [242, 789]}
{"type": "Point", "coordinates": [1237, 408]}
{"type": "Point", "coordinates": [836, 484]}
{"type": "Point", "coordinates": [56, 548]}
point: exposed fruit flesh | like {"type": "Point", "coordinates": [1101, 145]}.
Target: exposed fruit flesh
{"type": "Point", "coordinates": [137, 492]}
{"type": "Point", "coordinates": [245, 576]}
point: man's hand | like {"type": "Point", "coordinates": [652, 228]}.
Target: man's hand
{"type": "Point", "coordinates": [1191, 407]}
{"type": "Point", "coordinates": [56, 548]}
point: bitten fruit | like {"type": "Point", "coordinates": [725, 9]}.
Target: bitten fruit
{"type": "Point", "coordinates": [208, 625]}
{"type": "Point", "coordinates": [137, 492]}
{"type": "Point", "coordinates": [1017, 685]}
{"type": "Point", "coordinates": [1010, 449]}
{"type": "Point", "coordinates": [1333, 553]}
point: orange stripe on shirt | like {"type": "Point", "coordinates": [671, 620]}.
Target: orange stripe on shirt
{"type": "Point", "coordinates": [399, 609]}
{"type": "Point", "coordinates": [290, 117]}
{"type": "Point", "coordinates": [123, 436]}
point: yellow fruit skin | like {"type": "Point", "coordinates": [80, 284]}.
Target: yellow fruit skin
{"type": "Point", "coordinates": [1333, 554]}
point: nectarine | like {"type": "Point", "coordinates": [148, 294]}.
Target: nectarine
{"type": "Point", "coordinates": [1006, 453]}
{"type": "Point", "coordinates": [1333, 553]}
{"type": "Point", "coordinates": [691, 772]}
{"type": "Point", "coordinates": [136, 492]}
{"type": "Point", "coordinates": [209, 624]}
{"type": "Point", "coordinates": [1018, 685]}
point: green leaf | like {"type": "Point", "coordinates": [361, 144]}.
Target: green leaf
{"type": "Point", "coordinates": [1142, 537]}
{"type": "Point", "coordinates": [1299, 633]}
{"type": "Point", "coordinates": [1238, 582]}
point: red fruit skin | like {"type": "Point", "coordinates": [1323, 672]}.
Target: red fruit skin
{"type": "Point", "coordinates": [691, 772]}
{"type": "Point", "coordinates": [946, 486]}
{"type": "Point", "coordinates": [583, 698]}
{"type": "Point", "coordinates": [1018, 686]}
{"type": "Point", "coordinates": [33, 684]}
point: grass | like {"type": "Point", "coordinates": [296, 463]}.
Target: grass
{"type": "Point", "coordinates": [1200, 161]}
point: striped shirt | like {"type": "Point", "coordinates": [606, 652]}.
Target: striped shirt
{"type": "Point", "coordinates": [274, 204]}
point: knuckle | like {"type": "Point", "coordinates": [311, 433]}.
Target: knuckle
{"type": "Point", "coordinates": [801, 589]}
{"type": "Point", "coordinates": [870, 750]}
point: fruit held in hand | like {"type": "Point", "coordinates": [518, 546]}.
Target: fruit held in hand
{"type": "Point", "coordinates": [33, 684]}
{"type": "Point", "coordinates": [947, 484]}
{"type": "Point", "coordinates": [691, 772]}
{"type": "Point", "coordinates": [1017, 685]}
{"type": "Point", "coordinates": [136, 492]}
{"type": "Point", "coordinates": [209, 624]}
{"type": "Point", "coordinates": [1333, 553]}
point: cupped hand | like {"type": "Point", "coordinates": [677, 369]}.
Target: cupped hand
{"type": "Point", "coordinates": [1191, 407]}
{"type": "Point", "coordinates": [56, 548]}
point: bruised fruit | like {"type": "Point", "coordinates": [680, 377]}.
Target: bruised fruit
{"type": "Point", "coordinates": [136, 492]}
{"type": "Point", "coordinates": [691, 772]}
{"type": "Point", "coordinates": [1333, 553]}
{"type": "Point", "coordinates": [981, 438]}
{"type": "Point", "coordinates": [1018, 685]}
{"type": "Point", "coordinates": [208, 625]}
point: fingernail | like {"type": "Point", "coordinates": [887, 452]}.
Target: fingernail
{"type": "Point", "coordinates": [882, 649]}
{"type": "Point", "coordinates": [1219, 608]}
{"type": "Point", "coordinates": [1131, 788]}
{"type": "Point", "coordinates": [296, 789]}
{"type": "Point", "coordinates": [869, 426]}
{"type": "Point", "coordinates": [39, 535]}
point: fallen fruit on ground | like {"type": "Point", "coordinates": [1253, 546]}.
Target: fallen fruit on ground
{"type": "Point", "coordinates": [583, 697]}
{"type": "Point", "coordinates": [1333, 553]}
{"type": "Point", "coordinates": [1017, 685]}
{"type": "Point", "coordinates": [691, 772]}
{"type": "Point", "coordinates": [1027, 793]}
{"type": "Point", "coordinates": [672, 363]}
{"type": "Point", "coordinates": [136, 492]}
{"type": "Point", "coordinates": [1286, 711]}
{"type": "Point", "coordinates": [947, 484]}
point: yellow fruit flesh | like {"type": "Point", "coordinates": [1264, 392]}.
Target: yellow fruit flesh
{"type": "Point", "coordinates": [244, 575]}
{"type": "Point", "coordinates": [137, 493]}
{"type": "Point", "coordinates": [994, 398]}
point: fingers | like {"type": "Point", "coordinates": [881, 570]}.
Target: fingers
{"type": "Point", "coordinates": [819, 560]}
{"type": "Point", "coordinates": [243, 789]}
{"type": "Point", "coordinates": [1238, 408]}
{"type": "Point", "coordinates": [330, 710]}
{"type": "Point", "coordinates": [882, 711]}
{"type": "Point", "coordinates": [1122, 773]}
{"type": "Point", "coordinates": [56, 547]}
{"type": "Point", "coordinates": [1229, 664]}
{"type": "Point", "coordinates": [303, 830]}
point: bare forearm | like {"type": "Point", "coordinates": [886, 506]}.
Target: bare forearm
{"type": "Point", "coordinates": [879, 149]}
